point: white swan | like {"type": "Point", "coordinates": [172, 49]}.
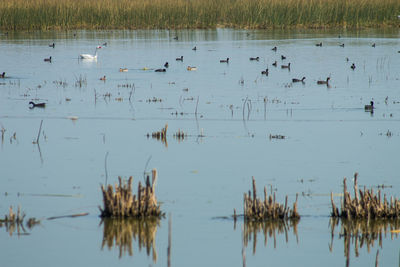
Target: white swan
{"type": "Point", "coordinates": [89, 56]}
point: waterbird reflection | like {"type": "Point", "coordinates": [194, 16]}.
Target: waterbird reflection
{"type": "Point", "coordinates": [363, 232]}
{"type": "Point", "coordinates": [121, 233]}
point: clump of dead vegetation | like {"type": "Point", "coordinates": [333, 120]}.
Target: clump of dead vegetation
{"type": "Point", "coordinates": [180, 135]}
{"type": "Point", "coordinates": [120, 202]}
{"type": "Point", "coordinates": [256, 209]}
{"type": "Point", "coordinates": [15, 222]}
{"type": "Point", "coordinates": [365, 204]}
{"type": "Point", "coordinates": [160, 135]}
{"type": "Point", "coordinates": [121, 233]}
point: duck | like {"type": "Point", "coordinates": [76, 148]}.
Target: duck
{"type": "Point", "coordinates": [320, 44]}
{"type": "Point", "coordinates": [176, 38]}
{"type": "Point", "coordinates": [105, 44]}
{"type": "Point", "coordinates": [224, 60]}
{"type": "Point", "coordinates": [52, 45]}
{"type": "Point", "coordinates": [47, 59]}
{"type": "Point", "coordinates": [275, 64]}
{"type": "Point", "coordinates": [160, 70]}
{"type": "Point", "coordinates": [123, 69]}
{"type": "Point", "coordinates": [324, 82]}
{"type": "Point", "coordinates": [353, 66]}
{"type": "Point", "coordinates": [265, 72]}
{"type": "Point", "coordinates": [254, 58]}
{"type": "Point", "coordinates": [373, 45]}
{"type": "Point", "coordinates": [3, 75]}
{"type": "Point", "coordinates": [194, 48]}
{"type": "Point", "coordinates": [274, 48]}
{"type": "Point", "coordinates": [103, 78]}
{"type": "Point", "coordinates": [298, 80]}
{"type": "Point", "coordinates": [179, 58]}
{"type": "Point", "coordinates": [36, 105]}
{"type": "Point", "coordinates": [166, 65]}
{"type": "Point", "coordinates": [370, 107]}
{"type": "Point", "coordinates": [286, 66]}
{"type": "Point", "coordinates": [191, 68]}
{"type": "Point", "coordinates": [283, 57]}
{"type": "Point", "coordinates": [341, 45]}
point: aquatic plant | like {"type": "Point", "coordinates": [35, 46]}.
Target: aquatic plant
{"type": "Point", "coordinates": [120, 202]}
{"type": "Point", "coordinates": [365, 204]}
{"type": "Point", "coordinates": [258, 210]}
{"type": "Point", "coordinates": [15, 221]}
{"type": "Point", "coordinates": [160, 135]}
{"type": "Point", "coordinates": [166, 14]}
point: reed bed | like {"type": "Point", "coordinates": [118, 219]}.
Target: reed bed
{"type": "Point", "coordinates": [119, 202]}
{"type": "Point", "coordinates": [122, 233]}
{"type": "Point", "coordinates": [256, 209]}
{"type": "Point", "coordinates": [365, 204]}
{"type": "Point", "coordinates": [167, 14]}
{"type": "Point", "coordinates": [268, 229]}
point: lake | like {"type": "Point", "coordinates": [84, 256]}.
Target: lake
{"type": "Point", "coordinates": [94, 131]}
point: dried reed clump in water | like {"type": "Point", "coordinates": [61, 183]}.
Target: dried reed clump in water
{"type": "Point", "coordinates": [119, 202]}
{"type": "Point", "coordinates": [365, 204]}
{"type": "Point", "coordinates": [180, 135]}
{"type": "Point", "coordinates": [160, 135]}
{"type": "Point", "coordinates": [257, 210]}
{"type": "Point", "coordinates": [121, 233]}
{"type": "Point", "coordinates": [15, 221]}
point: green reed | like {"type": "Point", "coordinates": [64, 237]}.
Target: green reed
{"type": "Point", "coordinates": [162, 14]}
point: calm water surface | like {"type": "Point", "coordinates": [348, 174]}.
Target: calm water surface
{"type": "Point", "coordinates": [202, 178]}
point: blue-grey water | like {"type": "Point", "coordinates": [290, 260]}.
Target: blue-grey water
{"type": "Point", "coordinates": [228, 112]}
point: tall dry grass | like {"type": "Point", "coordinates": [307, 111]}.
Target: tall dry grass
{"type": "Point", "coordinates": [162, 14]}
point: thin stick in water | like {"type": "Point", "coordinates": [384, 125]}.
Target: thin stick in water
{"type": "Point", "coordinates": [169, 240]}
{"type": "Point", "coordinates": [105, 167]}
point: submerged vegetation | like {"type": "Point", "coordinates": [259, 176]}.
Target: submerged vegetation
{"type": "Point", "coordinates": [166, 14]}
{"type": "Point", "coordinates": [120, 202]}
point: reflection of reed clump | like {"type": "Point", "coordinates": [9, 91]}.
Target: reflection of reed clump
{"type": "Point", "coordinates": [15, 222]}
{"type": "Point", "coordinates": [365, 204]}
{"type": "Point", "coordinates": [270, 228]}
{"type": "Point", "coordinates": [363, 232]}
{"type": "Point", "coordinates": [160, 135]}
{"type": "Point", "coordinates": [122, 203]}
{"type": "Point", "coordinates": [258, 210]}
{"type": "Point", "coordinates": [122, 232]}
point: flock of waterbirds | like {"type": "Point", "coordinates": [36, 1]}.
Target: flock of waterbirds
{"type": "Point", "coordinates": [368, 108]}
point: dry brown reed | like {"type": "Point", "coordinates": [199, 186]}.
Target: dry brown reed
{"type": "Point", "coordinates": [365, 204]}
{"type": "Point", "coordinates": [122, 233]}
{"type": "Point", "coordinates": [363, 233]}
{"type": "Point", "coordinates": [15, 222]}
{"type": "Point", "coordinates": [269, 229]}
{"type": "Point", "coordinates": [180, 135]}
{"type": "Point", "coordinates": [120, 202]}
{"type": "Point", "coordinates": [257, 210]}
{"type": "Point", "coordinates": [160, 135]}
